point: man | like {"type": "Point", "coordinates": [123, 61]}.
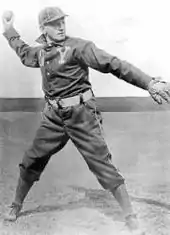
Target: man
{"type": "Point", "coordinates": [70, 111]}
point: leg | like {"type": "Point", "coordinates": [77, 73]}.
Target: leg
{"type": "Point", "coordinates": [50, 138]}
{"type": "Point", "coordinates": [86, 133]}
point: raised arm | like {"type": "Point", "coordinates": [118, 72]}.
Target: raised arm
{"type": "Point", "coordinates": [28, 55]}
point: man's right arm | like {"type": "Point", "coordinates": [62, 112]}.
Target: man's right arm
{"type": "Point", "coordinates": [28, 55]}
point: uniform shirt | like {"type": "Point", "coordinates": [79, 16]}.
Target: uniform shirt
{"type": "Point", "coordinates": [65, 66]}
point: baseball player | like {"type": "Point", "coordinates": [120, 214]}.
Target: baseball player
{"type": "Point", "coordinates": [70, 110]}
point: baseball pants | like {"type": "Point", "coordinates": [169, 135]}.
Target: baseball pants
{"type": "Point", "coordinates": [82, 124]}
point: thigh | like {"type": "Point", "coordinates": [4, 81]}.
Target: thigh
{"type": "Point", "coordinates": [86, 132]}
{"type": "Point", "coordinates": [49, 139]}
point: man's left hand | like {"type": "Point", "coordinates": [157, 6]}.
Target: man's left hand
{"type": "Point", "coordinates": [159, 90]}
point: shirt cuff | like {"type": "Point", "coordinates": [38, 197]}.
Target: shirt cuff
{"type": "Point", "coordinates": [10, 33]}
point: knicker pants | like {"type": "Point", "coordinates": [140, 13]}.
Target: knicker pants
{"type": "Point", "coordinates": [80, 123]}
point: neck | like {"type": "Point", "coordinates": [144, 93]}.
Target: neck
{"type": "Point", "coordinates": [50, 40]}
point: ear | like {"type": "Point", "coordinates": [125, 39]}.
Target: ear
{"type": "Point", "coordinates": [42, 29]}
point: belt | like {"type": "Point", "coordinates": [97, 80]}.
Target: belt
{"type": "Point", "coordinates": [71, 101]}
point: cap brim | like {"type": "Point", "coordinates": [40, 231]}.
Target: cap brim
{"type": "Point", "coordinates": [55, 18]}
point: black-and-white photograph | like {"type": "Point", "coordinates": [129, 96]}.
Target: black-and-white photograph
{"type": "Point", "coordinates": [84, 117]}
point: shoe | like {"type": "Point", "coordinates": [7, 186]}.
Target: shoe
{"type": "Point", "coordinates": [133, 225]}
{"type": "Point", "coordinates": [13, 213]}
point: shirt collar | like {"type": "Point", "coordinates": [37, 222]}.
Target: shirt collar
{"type": "Point", "coordinates": [42, 40]}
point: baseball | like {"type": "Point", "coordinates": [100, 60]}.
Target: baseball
{"type": "Point", "coordinates": [8, 15]}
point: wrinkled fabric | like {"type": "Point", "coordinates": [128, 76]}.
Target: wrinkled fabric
{"type": "Point", "coordinates": [82, 125]}
{"type": "Point", "coordinates": [65, 66]}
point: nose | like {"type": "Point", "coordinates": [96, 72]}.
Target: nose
{"type": "Point", "coordinates": [61, 25]}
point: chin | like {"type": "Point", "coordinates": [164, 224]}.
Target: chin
{"type": "Point", "coordinates": [60, 38]}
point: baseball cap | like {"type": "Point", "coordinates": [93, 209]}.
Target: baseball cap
{"type": "Point", "coordinates": [50, 14]}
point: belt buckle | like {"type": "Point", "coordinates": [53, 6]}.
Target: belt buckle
{"type": "Point", "coordinates": [60, 103]}
{"type": "Point", "coordinates": [54, 103]}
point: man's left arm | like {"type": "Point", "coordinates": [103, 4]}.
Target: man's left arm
{"type": "Point", "coordinates": [102, 61]}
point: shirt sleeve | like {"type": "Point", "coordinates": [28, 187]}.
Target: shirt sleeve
{"type": "Point", "coordinates": [102, 61]}
{"type": "Point", "coordinates": [28, 55]}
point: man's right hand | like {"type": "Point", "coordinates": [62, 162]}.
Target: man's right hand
{"type": "Point", "coordinates": [7, 20]}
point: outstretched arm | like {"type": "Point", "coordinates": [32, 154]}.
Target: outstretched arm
{"type": "Point", "coordinates": [28, 55]}
{"type": "Point", "coordinates": [100, 60]}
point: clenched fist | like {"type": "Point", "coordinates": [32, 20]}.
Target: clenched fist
{"type": "Point", "coordinates": [7, 20]}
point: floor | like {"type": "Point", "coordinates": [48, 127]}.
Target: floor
{"type": "Point", "coordinates": [68, 198]}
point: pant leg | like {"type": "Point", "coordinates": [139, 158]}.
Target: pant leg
{"type": "Point", "coordinates": [85, 130]}
{"type": "Point", "coordinates": [49, 139]}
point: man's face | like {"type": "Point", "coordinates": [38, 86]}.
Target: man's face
{"type": "Point", "coordinates": [55, 30]}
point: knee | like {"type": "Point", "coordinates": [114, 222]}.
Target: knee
{"type": "Point", "coordinates": [116, 179]}
{"type": "Point", "coordinates": [110, 177]}
{"type": "Point", "coordinates": [32, 166]}
{"type": "Point", "coordinates": [28, 175]}
{"type": "Point", "coordinates": [116, 185]}
{"type": "Point", "coordinates": [112, 183]}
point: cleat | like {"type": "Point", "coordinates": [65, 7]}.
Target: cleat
{"type": "Point", "coordinates": [14, 212]}
{"type": "Point", "coordinates": [133, 225]}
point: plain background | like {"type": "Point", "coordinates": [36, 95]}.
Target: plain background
{"type": "Point", "coordinates": [134, 30]}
